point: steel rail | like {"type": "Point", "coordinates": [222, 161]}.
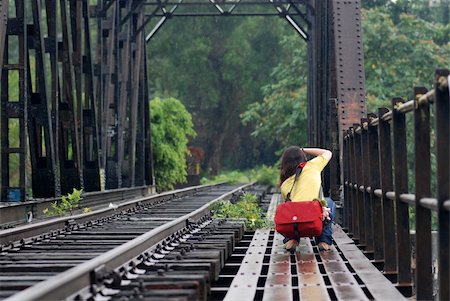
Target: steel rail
{"type": "Point", "coordinates": [31, 230]}
{"type": "Point", "coordinates": [14, 214]}
{"type": "Point", "coordinates": [75, 279]}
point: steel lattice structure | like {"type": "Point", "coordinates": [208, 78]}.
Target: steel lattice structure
{"type": "Point", "coordinates": [82, 106]}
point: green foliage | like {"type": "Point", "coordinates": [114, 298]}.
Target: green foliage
{"type": "Point", "coordinates": [265, 175]}
{"type": "Point", "coordinates": [283, 112]}
{"type": "Point", "coordinates": [217, 68]}
{"type": "Point", "coordinates": [246, 208]}
{"type": "Point", "coordinates": [232, 177]}
{"type": "Point", "coordinates": [171, 125]}
{"type": "Point", "coordinates": [437, 13]}
{"type": "Point", "coordinates": [405, 55]}
{"type": "Point", "coordinates": [67, 204]}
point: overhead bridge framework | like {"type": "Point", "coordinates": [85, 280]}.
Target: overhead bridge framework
{"type": "Point", "coordinates": [74, 85]}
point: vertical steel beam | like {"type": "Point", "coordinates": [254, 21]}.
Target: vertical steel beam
{"type": "Point", "coordinates": [14, 109]}
{"type": "Point", "coordinates": [69, 149]}
{"type": "Point", "coordinates": [51, 47]}
{"type": "Point", "coordinates": [345, 72]}
{"type": "Point", "coordinates": [401, 208]}
{"type": "Point", "coordinates": [346, 180]}
{"type": "Point", "coordinates": [40, 133]}
{"type": "Point", "coordinates": [91, 174]}
{"type": "Point", "coordinates": [3, 42]}
{"type": "Point", "coordinates": [332, 143]}
{"type": "Point", "coordinates": [149, 171]}
{"type": "Point", "coordinates": [124, 65]}
{"type": "Point", "coordinates": [110, 102]}
{"type": "Point", "coordinates": [310, 80]}
{"type": "Point", "coordinates": [365, 195]}
{"type": "Point", "coordinates": [75, 9]}
{"type": "Point", "coordinates": [3, 24]}
{"type": "Point", "coordinates": [358, 182]}
{"type": "Point", "coordinates": [99, 86]}
{"type": "Point", "coordinates": [136, 83]}
{"type": "Point", "coordinates": [385, 158]}
{"type": "Point", "coordinates": [349, 62]}
{"type": "Point", "coordinates": [374, 168]}
{"type": "Point", "coordinates": [354, 205]}
{"type": "Point", "coordinates": [422, 167]}
{"type": "Point", "coordinates": [443, 179]}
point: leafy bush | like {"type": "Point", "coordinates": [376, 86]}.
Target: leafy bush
{"type": "Point", "coordinates": [232, 177]}
{"type": "Point", "coordinates": [67, 204]}
{"type": "Point", "coordinates": [265, 175]}
{"type": "Point", "coordinates": [246, 208]}
{"type": "Point", "coordinates": [171, 125]}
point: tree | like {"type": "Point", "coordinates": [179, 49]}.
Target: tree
{"type": "Point", "coordinates": [282, 115]}
{"type": "Point", "coordinates": [171, 126]}
{"type": "Point", "coordinates": [217, 67]}
{"type": "Point", "coordinates": [406, 54]}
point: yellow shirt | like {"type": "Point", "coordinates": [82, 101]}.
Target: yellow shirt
{"type": "Point", "coordinates": [308, 184]}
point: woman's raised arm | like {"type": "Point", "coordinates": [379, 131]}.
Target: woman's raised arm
{"type": "Point", "coordinates": [318, 152]}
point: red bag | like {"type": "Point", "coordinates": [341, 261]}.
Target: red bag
{"type": "Point", "coordinates": [299, 219]}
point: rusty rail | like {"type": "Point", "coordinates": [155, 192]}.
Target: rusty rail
{"type": "Point", "coordinates": [79, 277]}
{"type": "Point", "coordinates": [376, 193]}
{"type": "Point", "coordinates": [8, 236]}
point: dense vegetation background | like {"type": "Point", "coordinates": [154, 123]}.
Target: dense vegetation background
{"type": "Point", "coordinates": [244, 79]}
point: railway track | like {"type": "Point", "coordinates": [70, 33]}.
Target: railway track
{"type": "Point", "coordinates": [102, 254]}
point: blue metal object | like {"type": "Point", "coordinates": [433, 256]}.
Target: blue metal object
{"type": "Point", "coordinates": [14, 194]}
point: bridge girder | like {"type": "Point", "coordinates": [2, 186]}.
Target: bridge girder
{"type": "Point", "coordinates": [91, 120]}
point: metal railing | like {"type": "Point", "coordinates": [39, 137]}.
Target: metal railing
{"type": "Point", "coordinates": [376, 196]}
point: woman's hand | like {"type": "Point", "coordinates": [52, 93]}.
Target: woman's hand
{"type": "Point", "coordinates": [326, 213]}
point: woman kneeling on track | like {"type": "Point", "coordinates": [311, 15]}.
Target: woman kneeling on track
{"type": "Point", "coordinates": [307, 188]}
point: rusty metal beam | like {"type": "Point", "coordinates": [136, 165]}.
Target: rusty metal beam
{"type": "Point", "coordinates": [91, 164]}
{"type": "Point", "coordinates": [442, 178]}
{"type": "Point", "coordinates": [14, 112]}
{"type": "Point", "coordinates": [3, 21]}
{"type": "Point", "coordinates": [40, 133]}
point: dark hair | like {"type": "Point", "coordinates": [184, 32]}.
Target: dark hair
{"type": "Point", "coordinates": [291, 157]}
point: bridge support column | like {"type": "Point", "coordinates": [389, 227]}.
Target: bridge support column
{"type": "Point", "coordinates": [443, 183]}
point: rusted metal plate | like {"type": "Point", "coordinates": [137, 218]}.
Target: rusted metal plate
{"type": "Point", "coordinates": [349, 62]}
{"type": "Point", "coordinates": [244, 285]}
{"type": "Point", "coordinates": [349, 292]}
{"type": "Point", "coordinates": [307, 267]}
{"type": "Point", "coordinates": [279, 279]}
{"type": "Point", "coordinates": [340, 237]}
{"type": "Point", "coordinates": [377, 284]}
{"type": "Point", "coordinates": [335, 267]}
{"type": "Point", "coordinates": [279, 293]}
{"type": "Point", "coordinates": [344, 278]}
{"type": "Point", "coordinates": [308, 272]}
{"type": "Point", "coordinates": [313, 293]}
{"type": "Point", "coordinates": [330, 256]}
{"type": "Point", "coordinates": [380, 287]}
{"type": "Point", "coordinates": [310, 279]}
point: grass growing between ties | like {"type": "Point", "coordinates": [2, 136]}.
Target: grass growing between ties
{"type": "Point", "coordinates": [246, 208]}
{"type": "Point", "coordinates": [67, 204]}
{"type": "Point", "coordinates": [264, 175]}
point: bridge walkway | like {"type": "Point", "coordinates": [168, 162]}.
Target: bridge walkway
{"type": "Point", "coordinates": [269, 272]}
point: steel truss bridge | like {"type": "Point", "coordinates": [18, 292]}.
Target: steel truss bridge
{"type": "Point", "coordinates": [81, 106]}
